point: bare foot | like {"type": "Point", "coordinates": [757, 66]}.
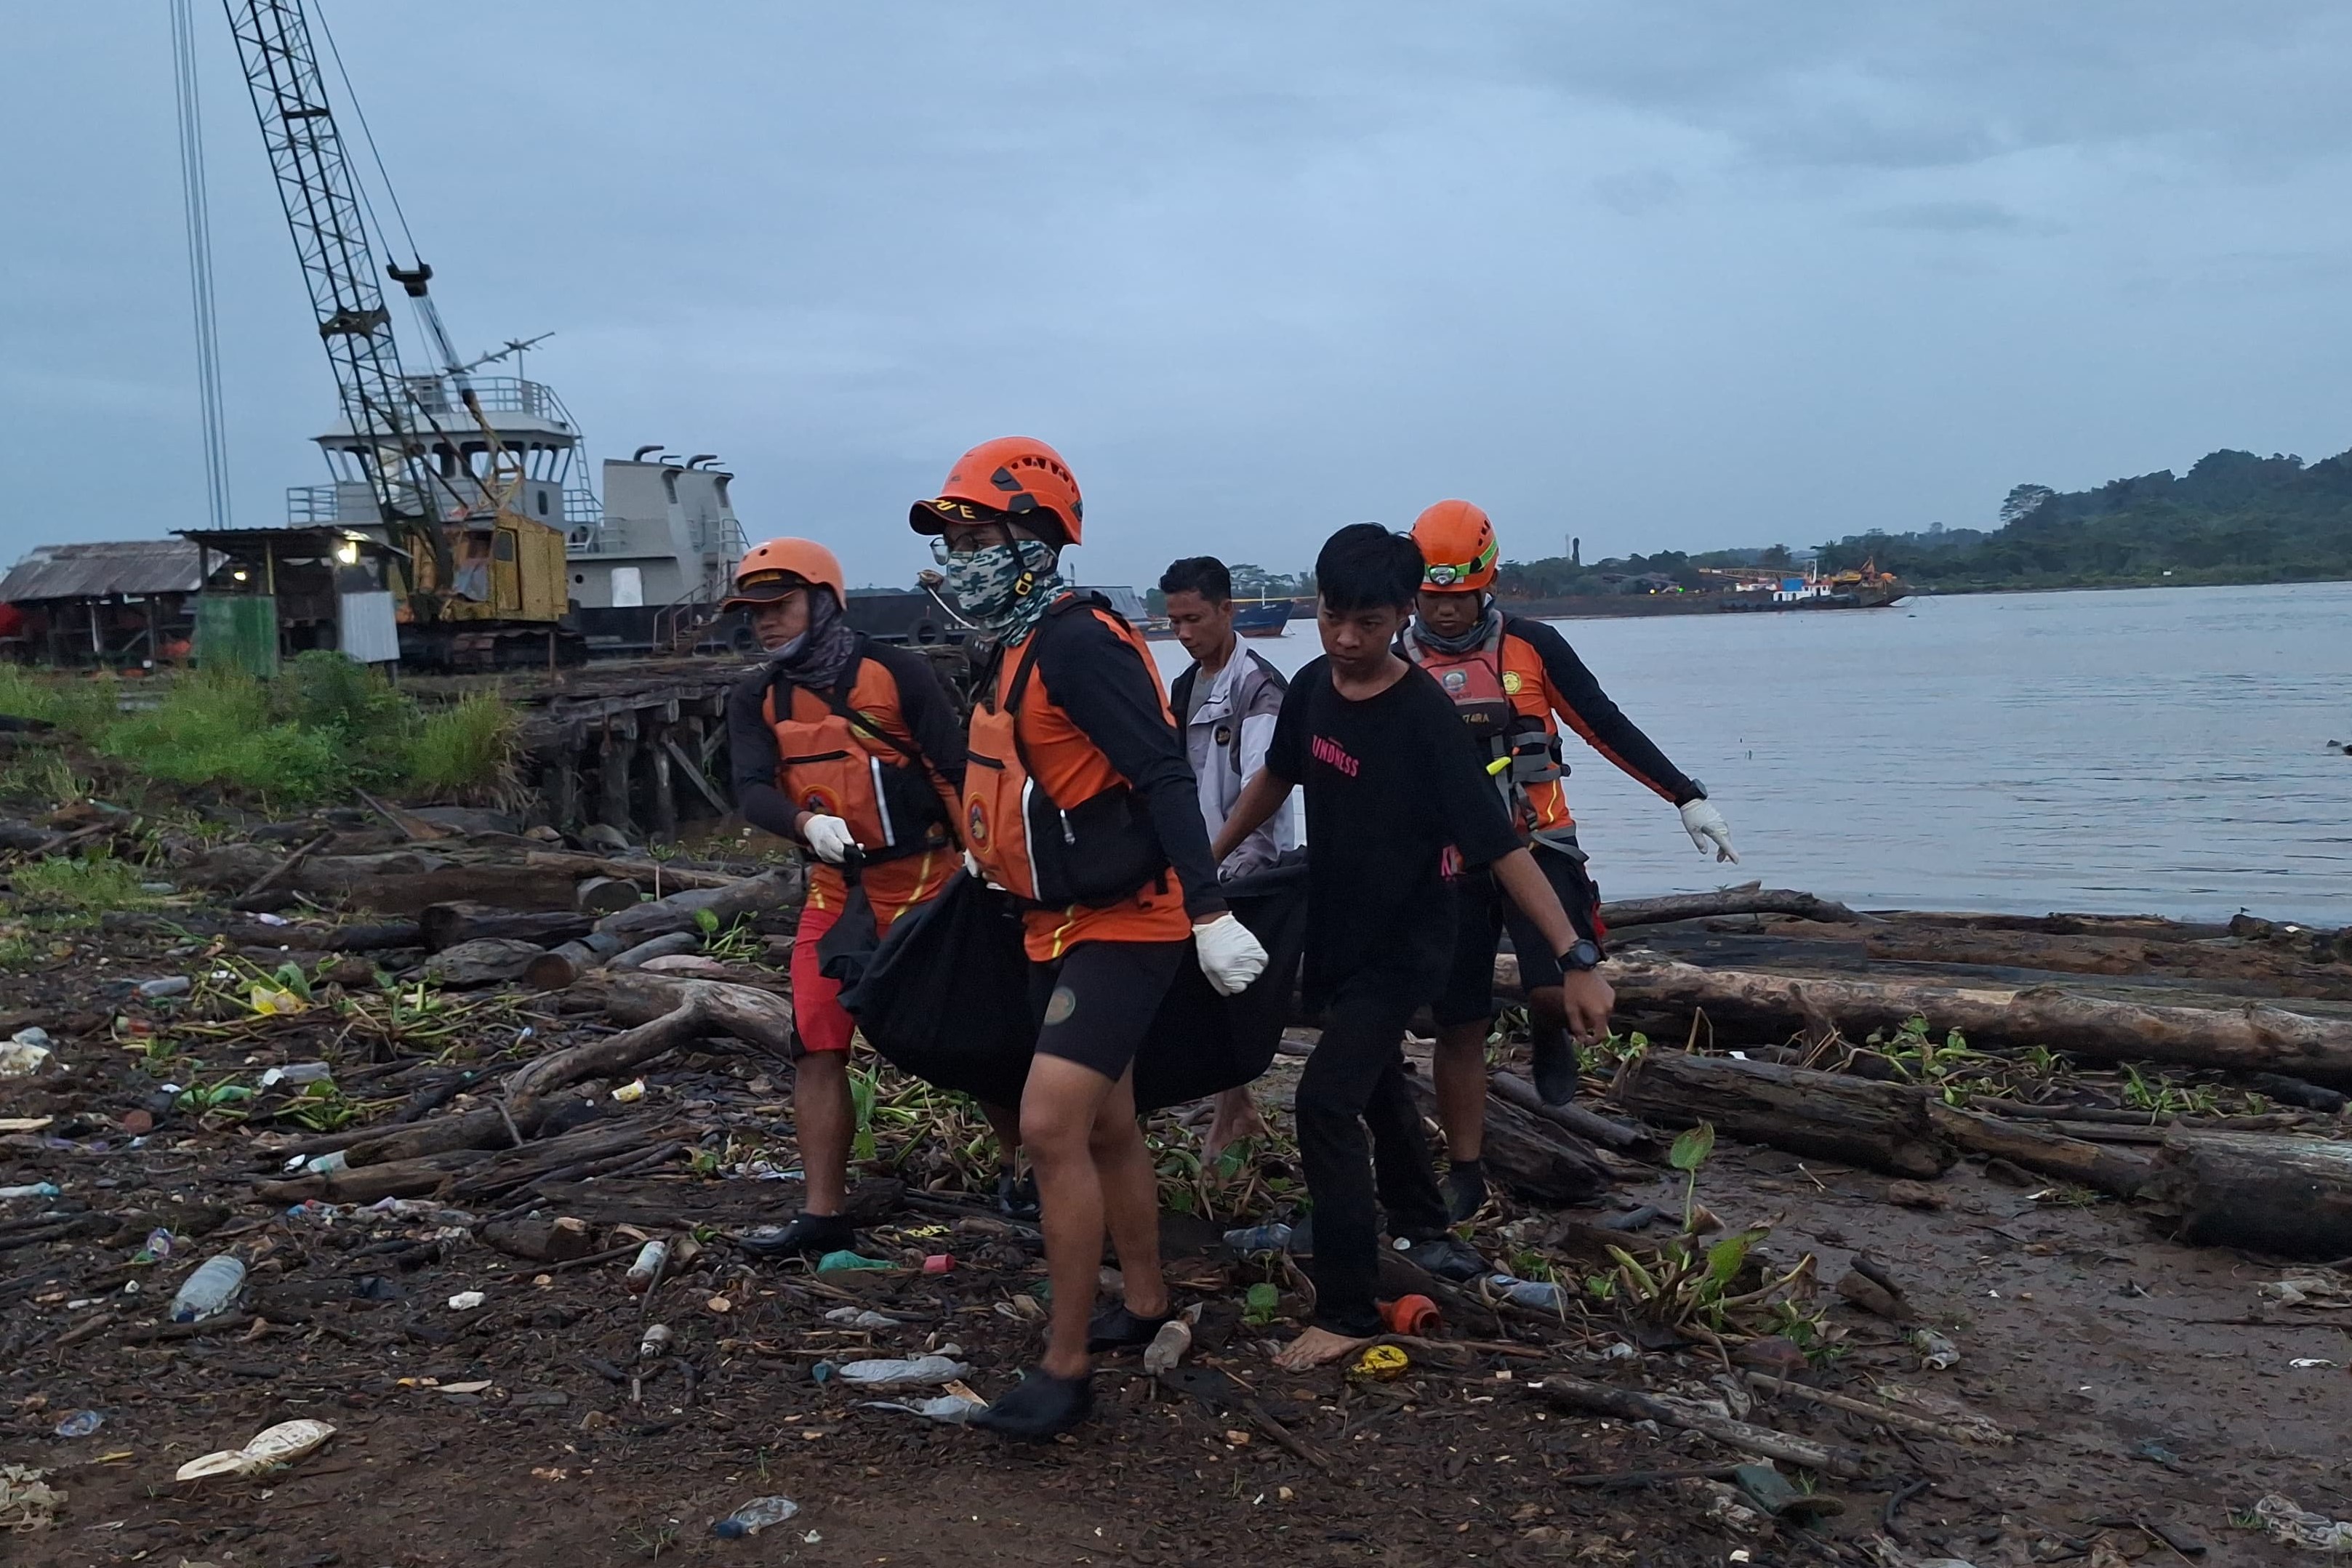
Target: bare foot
{"type": "Point", "coordinates": [1236, 1118]}
{"type": "Point", "coordinates": [1317, 1347]}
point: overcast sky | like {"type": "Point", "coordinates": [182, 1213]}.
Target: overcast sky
{"type": "Point", "coordinates": [1665, 277]}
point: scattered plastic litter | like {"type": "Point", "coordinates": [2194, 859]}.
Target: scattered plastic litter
{"type": "Point", "coordinates": [2305, 1362]}
{"type": "Point", "coordinates": [2283, 1521]}
{"type": "Point", "coordinates": [1168, 1347]}
{"type": "Point", "coordinates": [939, 1263]}
{"type": "Point", "coordinates": [860, 1318]}
{"type": "Point", "coordinates": [1412, 1316]}
{"type": "Point", "coordinates": [651, 1260]}
{"type": "Point", "coordinates": [156, 1248]}
{"type": "Point", "coordinates": [1381, 1363]}
{"type": "Point", "coordinates": [655, 1341]}
{"type": "Point", "coordinates": [281, 1445]}
{"type": "Point", "coordinates": [630, 1094]}
{"type": "Point", "coordinates": [211, 1290]}
{"type": "Point", "coordinates": [38, 1189]}
{"type": "Point", "coordinates": [30, 1035]}
{"type": "Point", "coordinates": [80, 1423]}
{"type": "Point", "coordinates": [1936, 1353]}
{"type": "Point", "coordinates": [915, 1372]}
{"type": "Point", "coordinates": [21, 1057]}
{"type": "Point", "coordinates": [27, 1501]}
{"type": "Point", "coordinates": [467, 1300]}
{"type": "Point", "coordinates": [835, 1262]}
{"type": "Point", "coordinates": [298, 1073]}
{"type": "Point", "coordinates": [754, 1517]}
{"type": "Point", "coordinates": [169, 986]}
{"type": "Point", "coordinates": [953, 1409]}
{"type": "Point", "coordinates": [1259, 1238]}
{"type": "Point", "coordinates": [1542, 1295]}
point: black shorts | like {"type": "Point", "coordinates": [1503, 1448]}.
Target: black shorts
{"type": "Point", "coordinates": [1482, 913]}
{"type": "Point", "coordinates": [1096, 1003]}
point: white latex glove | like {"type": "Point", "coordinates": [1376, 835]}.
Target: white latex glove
{"type": "Point", "coordinates": [1229, 954]}
{"type": "Point", "coordinates": [971, 868]}
{"type": "Point", "coordinates": [1708, 830]}
{"type": "Point", "coordinates": [829, 837]}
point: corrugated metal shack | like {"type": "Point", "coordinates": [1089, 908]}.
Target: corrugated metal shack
{"type": "Point", "coordinates": [118, 603]}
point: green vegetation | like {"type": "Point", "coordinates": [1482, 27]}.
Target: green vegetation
{"type": "Point", "coordinates": [2234, 518]}
{"type": "Point", "coordinates": [79, 887]}
{"type": "Point", "coordinates": [320, 729]}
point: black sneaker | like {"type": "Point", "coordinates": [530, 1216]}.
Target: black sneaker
{"type": "Point", "coordinates": [1465, 1191]}
{"type": "Point", "coordinates": [1555, 1063]}
{"type": "Point", "coordinates": [808, 1234]}
{"type": "Point", "coordinates": [1041, 1405]}
{"type": "Point", "coordinates": [1116, 1328]}
{"type": "Point", "coordinates": [1016, 1197]}
{"type": "Point", "coordinates": [1446, 1255]}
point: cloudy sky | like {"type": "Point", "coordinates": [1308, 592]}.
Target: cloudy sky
{"type": "Point", "coordinates": [1665, 277]}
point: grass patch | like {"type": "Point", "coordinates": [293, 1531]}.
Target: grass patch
{"type": "Point", "coordinates": [319, 729]}
{"type": "Point", "coordinates": [462, 748]}
{"type": "Point", "coordinates": [81, 706]}
{"type": "Point", "coordinates": [79, 887]}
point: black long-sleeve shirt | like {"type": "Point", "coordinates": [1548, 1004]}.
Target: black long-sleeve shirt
{"type": "Point", "coordinates": [929, 718]}
{"type": "Point", "coordinates": [1098, 679]}
{"type": "Point", "coordinates": [1577, 697]}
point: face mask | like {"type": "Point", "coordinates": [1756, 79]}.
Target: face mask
{"type": "Point", "coordinates": [991, 582]}
{"type": "Point", "coordinates": [784, 651]}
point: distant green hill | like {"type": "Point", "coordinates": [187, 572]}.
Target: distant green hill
{"type": "Point", "coordinates": [2234, 518]}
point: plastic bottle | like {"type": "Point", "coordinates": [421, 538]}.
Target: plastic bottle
{"type": "Point", "coordinates": [1260, 1238]}
{"type": "Point", "coordinates": [651, 1259]}
{"type": "Point", "coordinates": [1542, 1295]}
{"type": "Point", "coordinates": [1168, 1346]}
{"type": "Point", "coordinates": [903, 1372]}
{"type": "Point", "coordinates": [656, 1341]}
{"type": "Point", "coordinates": [169, 986]}
{"type": "Point", "coordinates": [298, 1073]}
{"type": "Point", "coordinates": [211, 1290]}
{"type": "Point", "coordinates": [754, 1517]}
{"type": "Point", "coordinates": [39, 1189]}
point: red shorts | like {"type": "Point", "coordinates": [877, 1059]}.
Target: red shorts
{"type": "Point", "coordinates": [818, 1021]}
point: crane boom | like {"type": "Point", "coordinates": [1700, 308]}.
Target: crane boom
{"type": "Point", "coordinates": [321, 196]}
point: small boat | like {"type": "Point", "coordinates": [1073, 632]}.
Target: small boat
{"type": "Point", "coordinates": [1265, 618]}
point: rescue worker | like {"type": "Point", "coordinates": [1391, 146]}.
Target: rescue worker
{"type": "Point", "coordinates": [850, 749]}
{"type": "Point", "coordinates": [1513, 681]}
{"type": "Point", "coordinates": [1225, 703]}
{"type": "Point", "coordinates": [1078, 802]}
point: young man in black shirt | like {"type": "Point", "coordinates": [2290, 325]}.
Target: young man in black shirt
{"type": "Point", "coordinates": [1397, 800]}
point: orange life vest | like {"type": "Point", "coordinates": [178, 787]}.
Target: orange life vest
{"type": "Point", "coordinates": [1045, 814]}
{"type": "Point", "coordinates": [849, 753]}
{"type": "Point", "coordinates": [1498, 688]}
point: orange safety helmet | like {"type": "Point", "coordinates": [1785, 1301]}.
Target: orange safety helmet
{"type": "Point", "coordinates": [770, 570]}
{"type": "Point", "coordinates": [1018, 474]}
{"type": "Point", "coordinates": [1457, 548]}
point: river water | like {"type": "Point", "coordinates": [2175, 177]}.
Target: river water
{"type": "Point", "coordinates": [2151, 751]}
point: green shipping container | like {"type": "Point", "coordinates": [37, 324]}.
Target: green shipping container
{"type": "Point", "coordinates": [237, 632]}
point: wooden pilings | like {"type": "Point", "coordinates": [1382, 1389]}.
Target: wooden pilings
{"type": "Point", "coordinates": [648, 760]}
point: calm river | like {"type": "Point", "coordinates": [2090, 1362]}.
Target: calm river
{"type": "Point", "coordinates": [2158, 751]}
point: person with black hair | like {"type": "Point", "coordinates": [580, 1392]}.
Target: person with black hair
{"type": "Point", "coordinates": [1397, 798]}
{"type": "Point", "coordinates": [1225, 702]}
{"type": "Point", "coordinates": [1078, 802]}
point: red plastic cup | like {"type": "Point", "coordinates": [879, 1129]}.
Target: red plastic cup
{"type": "Point", "coordinates": [939, 1263]}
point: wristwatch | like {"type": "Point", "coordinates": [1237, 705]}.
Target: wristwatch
{"type": "Point", "coordinates": [1585, 955]}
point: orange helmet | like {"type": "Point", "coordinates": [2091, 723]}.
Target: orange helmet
{"type": "Point", "coordinates": [1457, 548]}
{"type": "Point", "coordinates": [1014, 474]}
{"type": "Point", "coordinates": [770, 570]}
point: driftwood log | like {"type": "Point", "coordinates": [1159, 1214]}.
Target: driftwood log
{"type": "Point", "coordinates": [680, 911]}
{"type": "Point", "coordinates": [671, 945]}
{"type": "Point", "coordinates": [2268, 1193]}
{"type": "Point", "coordinates": [1534, 1158]}
{"type": "Point", "coordinates": [1599, 1399]}
{"type": "Point", "coordinates": [1879, 1127]}
{"type": "Point", "coordinates": [2251, 1039]}
{"type": "Point", "coordinates": [672, 878]}
{"type": "Point", "coordinates": [447, 924]}
{"type": "Point", "coordinates": [1584, 1123]}
{"type": "Point", "coordinates": [2037, 1149]}
{"type": "Point", "coordinates": [486, 961]}
{"type": "Point", "coordinates": [601, 896]}
{"type": "Point", "coordinates": [672, 1013]}
{"type": "Point", "coordinates": [559, 966]}
{"type": "Point", "coordinates": [1753, 899]}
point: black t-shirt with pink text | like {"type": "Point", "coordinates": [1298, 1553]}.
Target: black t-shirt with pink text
{"type": "Point", "coordinates": [1391, 782]}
